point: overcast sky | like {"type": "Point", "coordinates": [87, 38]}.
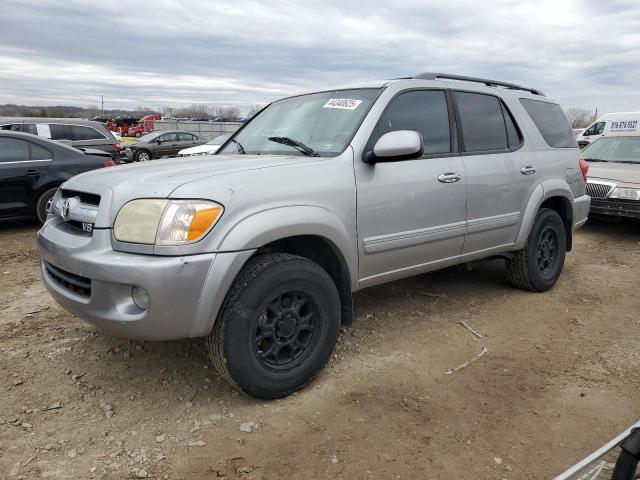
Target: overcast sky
{"type": "Point", "coordinates": [584, 53]}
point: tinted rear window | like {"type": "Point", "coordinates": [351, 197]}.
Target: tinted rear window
{"type": "Point", "coordinates": [13, 150]}
{"type": "Point", "coordinates": [551, 122]}
{"type": "Point", "coordinates": [483, 127]}
{"type": "Point", "coordinates": [79, 132]}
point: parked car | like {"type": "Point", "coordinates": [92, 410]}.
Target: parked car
{"type": "Point", "coordinates": [624, 123]}
{"type": "Point", "coordinates": [208, 148]}
{"type": "Point", "coordinates": [160, 144]}
{"type": "Point", "coordinates": [614, 183]}
{"type": "Point", "coordinates": [318, 196]}
{"type": "Point", "coordinates": [32, 168]}
{"type": "Point", "coordinates": [81, 133]}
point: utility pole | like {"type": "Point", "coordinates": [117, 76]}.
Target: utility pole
{"type": "Point", "coordinates": [102, 102]}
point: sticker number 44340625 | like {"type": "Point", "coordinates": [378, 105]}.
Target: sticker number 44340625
{"type": "Point", "coordinates": [342, 103]}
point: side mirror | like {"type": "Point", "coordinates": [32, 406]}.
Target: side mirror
{"type": "Point", "coordinates": [398, 145]}
{"type": "Point", "coordinates": [159, 142]}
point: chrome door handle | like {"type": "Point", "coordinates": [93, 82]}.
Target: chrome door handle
{"type": "Point", "coordinates": [449, 177]}
{"type": "Point", "coordinates": [528, 170]}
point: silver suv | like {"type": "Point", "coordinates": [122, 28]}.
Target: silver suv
{"type": "Point", "coordinates": [259, 247]}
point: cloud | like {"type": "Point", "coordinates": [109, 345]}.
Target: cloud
{"type": "Point", "coordinates": [245, 51]}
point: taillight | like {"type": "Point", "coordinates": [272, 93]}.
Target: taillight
{"type": "Point", "coordinates": [109, 163]}
{"type": "Point", "coordinates": [117, 147]}
{"type": "Point", "coordinates": [584, 168]}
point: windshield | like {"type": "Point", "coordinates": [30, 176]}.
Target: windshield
{"type": "Point", "coordinates": [318, 124]}
{"type": "Point", "coordinates": [149, 137]}
{"type": "Point", "coordinates": [614, 149]}
{"type": "Point", "coordinates": [219, 140]}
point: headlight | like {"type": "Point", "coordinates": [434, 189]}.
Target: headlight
{"type": "Point", "coordinates": [625, 194]}
{"type": "Point", "coordinates": [165, 222]}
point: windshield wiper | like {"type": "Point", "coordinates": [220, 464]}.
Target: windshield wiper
{"type": "Point", "coordinates": [239, 145]}
{"type": "Point", "coordinates": [307, 150]}
{"type": "Point", "coordinates": [595, 160]}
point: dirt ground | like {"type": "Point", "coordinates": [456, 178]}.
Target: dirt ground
{"type": "Point", "coordinates": [560, 377]}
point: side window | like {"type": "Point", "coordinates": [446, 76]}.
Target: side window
{"type": "Point", "coordinates": [169, 137]}
{"type": "Point", "coordinates": [59, 132]}
{"type": "Point", "coordinates": [482, 122]}
{"type": "Point", "coordinates": [186, 137]}
{"type": "Point", "coordinates": [39, 153]}
{"type": "Point", "coordinates": [424, 111]}
{"type": "Point", "coordinates": [598, 128]}
{"type": "Point", "coordinates": [514, 136]}
{"type": "Point", "coordinates": [551, 122]}
{"type": "Point", "coordinates": [13, 150]}
{"type": "Point", "coordinates": [19, 127]}
{"type": "Point", "coordinates": [79, 132]}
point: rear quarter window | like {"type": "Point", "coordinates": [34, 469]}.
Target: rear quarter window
{"type": "Point", "coordinates": [551, 122]}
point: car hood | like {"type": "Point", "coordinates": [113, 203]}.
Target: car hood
{"type": "Point", "coordinates": [615, 172]}
{"type": "Point", "coordinates": [199, 149]}
{"type": "Point", "coordinates": [159, 178]}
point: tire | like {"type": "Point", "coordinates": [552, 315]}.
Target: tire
{"type": "Point", "coordinates": [278, 326]}
{"type": "Point", "coordinates": [142, 156]}
{"type": "Point", "coordinates": [138, 135]}
{"type": "Point", "coordinates": [539, 264]}
{"type": "Point", "coordinates": [42, 203]}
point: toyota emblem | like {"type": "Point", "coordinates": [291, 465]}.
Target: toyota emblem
{"type": "Point", "coordinates": [65, 209]}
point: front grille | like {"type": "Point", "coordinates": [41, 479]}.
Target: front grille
{"type": "Point", "coordinates": [598, 190]}
{"type": "Point", "coordinates": [86, 198]}
{"type": "Point", "coordinates": [70, 281]}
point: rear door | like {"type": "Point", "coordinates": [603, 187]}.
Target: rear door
{"type": "Point", "coordinates": [186, 140]}
{"type": "Point", "coordinates": [22, 165]}
{"type": "Point", "coordinates": [500, 173]}
{"type": "Point", "coordinates": [411, 213]}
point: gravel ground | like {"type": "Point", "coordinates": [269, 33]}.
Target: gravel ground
{"type": "Point", "coordinates": [559, 378]}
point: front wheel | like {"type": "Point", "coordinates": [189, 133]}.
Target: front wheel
{"type": "Point", "coordinates": [142, 156]}
{"type": "Point", "coordinates": [278, 326]}
{"type": "Point", "coordinates": [539, 264]}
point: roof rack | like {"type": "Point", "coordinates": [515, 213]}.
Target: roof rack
{"type": "Point", "coordinates": [489, 83]}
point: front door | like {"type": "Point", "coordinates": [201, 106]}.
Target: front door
{"type": "Point", "coordinates": [168, 145]}
{"type": "Point", "coordinates": [412, 213]}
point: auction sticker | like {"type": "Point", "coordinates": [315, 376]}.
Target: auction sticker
{"type": "Point", "coordinates": [342, 103]}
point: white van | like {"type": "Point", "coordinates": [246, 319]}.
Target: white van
{"type": "Point", "coordinates": [623, 123]}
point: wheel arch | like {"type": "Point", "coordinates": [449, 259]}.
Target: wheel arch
{"type": "Point", "coordinates": [308, 231]}
{"type": "Point", "coordinates": [553, 194]}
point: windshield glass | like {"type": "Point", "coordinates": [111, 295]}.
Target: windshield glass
{"type": "Point", "coordinates": [149, 137]}
{"type": "Point", "coordinates": [318, 124]}
{"type": "Point", "coordinates": [219, 140]}
{"type": "Point", "coordinates": [614, 149]}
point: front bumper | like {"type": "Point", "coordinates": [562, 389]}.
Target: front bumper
{"type": "Point", "coordinates": [619, 208]}
{"type": "Point", "coordinates": [185, 292]}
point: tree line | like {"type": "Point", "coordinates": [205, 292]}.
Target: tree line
{"type": "Point", "coordinates": [199, 111]}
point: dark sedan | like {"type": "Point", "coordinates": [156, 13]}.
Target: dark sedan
{"type": "Point", "coordinates": [32, 169]}
{"type": "Point", "coordinates": [160, 144]}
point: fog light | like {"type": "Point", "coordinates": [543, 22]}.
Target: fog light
{"type": "Point", "coordinates": [140, 297]}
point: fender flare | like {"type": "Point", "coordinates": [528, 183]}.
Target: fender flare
{"type": "Point", "coordinates": [266, 226]}
{"type": "Point", "coordinates": [543, 191]}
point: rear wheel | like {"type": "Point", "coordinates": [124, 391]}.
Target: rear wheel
{"type": "Point", "coordinates": [278, 327]}
{"type": "Point", "coordinates": [43, 202]}
{"type": "Point", "coordinates": [539, 264]}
